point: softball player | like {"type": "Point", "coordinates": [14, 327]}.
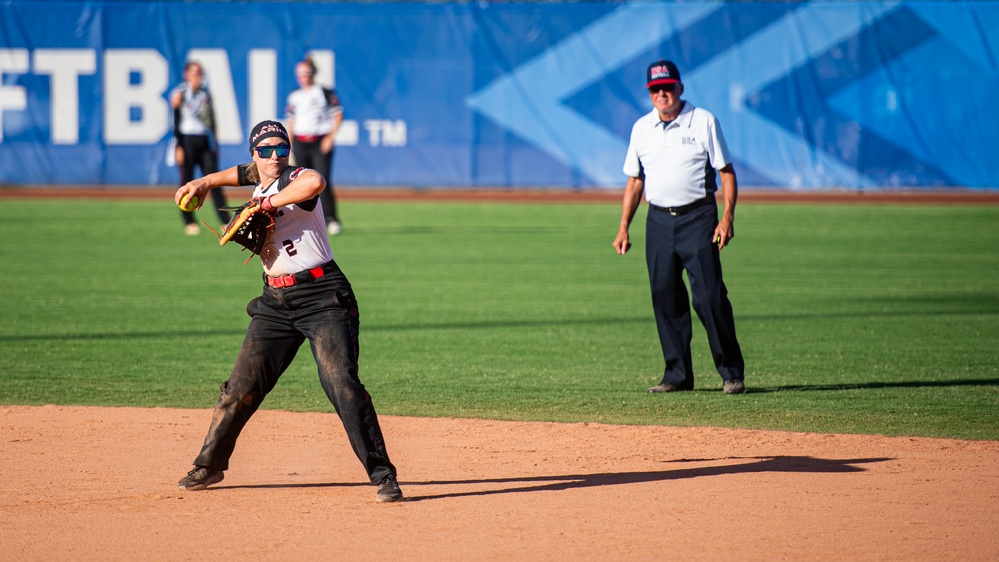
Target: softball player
{"type": "Point", "coordinates": [305, 297]}
{"type": "Point", "coordinates": [194, 130]}
{"type": "Point", "coordinates": [314, 114]}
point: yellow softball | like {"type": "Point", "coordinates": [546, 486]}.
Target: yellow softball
{"type": "Point", "coordinates": [189, 203]}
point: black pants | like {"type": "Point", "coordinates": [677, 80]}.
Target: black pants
{"type": "Point", "coordinates": [198, 152]}
{"type": "Point", "coordinates": [674, 244]}
{"type": "Point", "coordinates": [310, 155]}
{"type": "Point", "coordinates": [324, 312]}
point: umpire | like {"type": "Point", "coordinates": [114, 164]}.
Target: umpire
{"type": "Point", "coordinates": [672, 158]}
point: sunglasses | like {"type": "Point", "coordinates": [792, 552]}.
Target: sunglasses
{"type": "Point", "coordinates": [282, 151]}
{"type": "Point", "coordinates": [665, 88]}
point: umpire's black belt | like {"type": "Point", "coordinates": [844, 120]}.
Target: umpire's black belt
{"type": "Point", "coordinates": [683, 209]}
{"type": "Point", "coordinates": [293, 279]}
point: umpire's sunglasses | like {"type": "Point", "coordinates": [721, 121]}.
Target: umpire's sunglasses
{"type": "Point", "coordinates": [282, 151]}
{"type": "Point", "coordinates": [658, 88]}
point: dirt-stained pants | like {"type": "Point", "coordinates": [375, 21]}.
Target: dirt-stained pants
{"type": "Point", "coordinates": [324, 311]}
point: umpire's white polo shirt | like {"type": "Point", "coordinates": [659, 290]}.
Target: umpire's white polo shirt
{"type": "Point", "coordinates": [680, 159]}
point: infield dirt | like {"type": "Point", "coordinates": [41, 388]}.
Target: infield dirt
{"type": "Point", "coordinates": [81, 483]}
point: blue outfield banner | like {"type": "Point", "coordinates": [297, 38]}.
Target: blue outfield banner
{"type": "Point", "coordinates": [810, 95]}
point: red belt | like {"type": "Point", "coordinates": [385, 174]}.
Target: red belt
{"type": "Point", "coordinates": [307, 138]}
{"type": "Point", "coordinates": [292, 279]}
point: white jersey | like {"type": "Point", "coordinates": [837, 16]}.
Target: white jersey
{"type": "Point", "coordinates": [299, 240]}
{"type": "Point", "coordinates": [678, 160]}
{"type": "Point", "coordinates": [195, 116]}
{"type": "Point", "coordinates": [313, 109]}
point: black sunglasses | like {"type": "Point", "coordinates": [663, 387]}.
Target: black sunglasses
{"type": "Point", "coordinates": [282, 151]}
{"type": "Point", "coordinates": [662, 88]}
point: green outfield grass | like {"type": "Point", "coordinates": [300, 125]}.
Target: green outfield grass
{"type": "Point", "coordinates": [858, 319]}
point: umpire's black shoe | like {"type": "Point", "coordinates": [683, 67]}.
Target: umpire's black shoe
{"type": "Point", "coordinates": [734, 387]}
{"type": "Point", "coordinates": [200, 478]}
{"type": "Point", "coordinates": [388, 490]}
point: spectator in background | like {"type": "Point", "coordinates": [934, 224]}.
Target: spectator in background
{"type": "Point", "coordinates": [313, 116]}
{"type": "Point", "coordinates": [194, 130]}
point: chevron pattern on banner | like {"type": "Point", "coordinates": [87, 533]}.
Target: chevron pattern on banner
{"type": "Point", "coordinates": [810, 95]}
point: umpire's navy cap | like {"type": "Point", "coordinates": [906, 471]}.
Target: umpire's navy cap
{"type": "Point", "coordinates": [662, 72]}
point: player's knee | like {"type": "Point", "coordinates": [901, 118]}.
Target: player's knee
{"type": "Point", "coordinates": [232, 397]}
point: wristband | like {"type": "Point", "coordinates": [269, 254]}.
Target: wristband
{"type": "Point", "coordinates": [266, 204]}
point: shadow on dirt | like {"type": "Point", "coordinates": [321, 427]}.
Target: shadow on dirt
{"type": "Point", "coordinates": [743, 465]}
{"type": "Point", "coordinates": [569, 482]}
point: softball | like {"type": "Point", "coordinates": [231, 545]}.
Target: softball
{"type": "Point", "coordinates": [189, 204]}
